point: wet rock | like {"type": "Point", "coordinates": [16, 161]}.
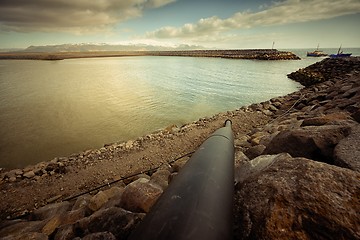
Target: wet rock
{"type": "Point", "coordinates": [313, 142]}
{"type": "Point", "coordinates": [117, 221]}
{"type": "Point", "coordinates": [347, 152]}
{"type": "Point", "coordinates": [139, 196]}
{"type": "Point", "coordinates": [296, 198]}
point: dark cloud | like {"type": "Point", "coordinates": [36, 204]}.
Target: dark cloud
{"type": "Point", "coordinates": [78, 16]}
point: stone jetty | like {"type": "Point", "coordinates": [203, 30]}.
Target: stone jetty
{"type": "Point", "coordinates": [297, 170]}
{"type": "Point", "coordinates": [259, 54]}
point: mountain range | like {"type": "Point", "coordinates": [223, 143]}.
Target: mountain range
{"type": "Point", "coordinates": [91, 47]}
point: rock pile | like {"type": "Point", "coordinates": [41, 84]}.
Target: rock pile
{"type": "Point", "coordinates": [108, 214]}
{"type": "Point", "coordinates": [296, 177]}
{"type": "Point", "coordinates": [259, 54]}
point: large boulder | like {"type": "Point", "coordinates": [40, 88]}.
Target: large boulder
{"type": "Point", "coordinates": [347, 152]}
{"type": "Point", "coordinates": [314, 142]}
{"type": "Point", "coordinates": [280, 197]}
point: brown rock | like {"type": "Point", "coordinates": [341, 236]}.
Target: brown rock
{"type": "Point", "coordinates": [139, 196]}
{"type": "Point", "coordinates": [347, 152]}
{"type": "Point", "coordinates": [322, 120]}
{"type": "Point", "coordinates": [65, 232]}
{"type": "Point", "coordinates": [296, 198]}
{"type": "Point", "coordinates": [29, 174]}
{"type": "Point", "coordinates": [81, 202]}
{"type": "Point", "coordinates": [161, 178]}
{"type": "Point", "coordinates": [97, 201]}
{"type": "Point", "coordinates": [27, 236]}
{"type": "Point", "coordinates": [52, 224]}
{"type": "Point", "coordinates": [255, 151]}
{"type": "Point", "coordinates": [114, 191]}
{"type": "Point", "coordinates": [74, 216]}
{"type": "Point", "coordinates": [356, 116]}
{"type": "Point", "coordinates": [314, 142]}
{"type": "Point", "coordinates": [100, 236]}
{"type": "Point", "coordinates": [50, 210]}
{"type": "Point", "coordinates": [21, 228]}
{"type": "Point", "coordinates": [115, 220]}
{"type": "Point", "coordinates": [134, 178]}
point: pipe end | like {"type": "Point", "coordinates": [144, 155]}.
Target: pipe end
{"type": "Point", "coordinates": [227, 123]}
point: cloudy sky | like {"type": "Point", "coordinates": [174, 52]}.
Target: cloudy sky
{"type": "Point", "coordinates": [209, 23]}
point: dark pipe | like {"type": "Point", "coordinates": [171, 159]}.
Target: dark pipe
{"type": "Point", "coordinates": [198, 202]}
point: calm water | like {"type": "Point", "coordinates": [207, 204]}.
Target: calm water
{"type": "Point", "coordinates": [56, 108]}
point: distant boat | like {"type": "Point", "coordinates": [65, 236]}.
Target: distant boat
{"type": "Point", "coordinates": [340, 54]}
{"type": "Point", "coordinates": [316, 53]}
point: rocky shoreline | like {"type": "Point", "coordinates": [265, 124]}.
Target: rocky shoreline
{"type": "Point", "coordinates": [258, 54]}
{"type": "Point", "coordinates": [297, 170]}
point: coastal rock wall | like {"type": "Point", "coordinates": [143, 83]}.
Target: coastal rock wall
{"type": "Point", "coordinates": [297, 172]}
{"type": "Point", "coordinates": [259, 54]}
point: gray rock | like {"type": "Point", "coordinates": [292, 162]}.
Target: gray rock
{"type": "Point", "coordinates": [296, 198]}
{"type": "Point", "coordinates": [313, 142]}
{"type": "Point", "coordinates": [347, 152]}
{"type": "Point", "coordinates": [255, 166]}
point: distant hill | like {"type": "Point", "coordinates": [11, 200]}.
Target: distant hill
{"type": "Point", "coordinates": [89, 47]}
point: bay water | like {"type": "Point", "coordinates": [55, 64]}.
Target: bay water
{"type": "Point", "coordinates": [55, 108]}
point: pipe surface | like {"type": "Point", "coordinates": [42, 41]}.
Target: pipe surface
{"type": "Point", "coordinates": [198, 203]}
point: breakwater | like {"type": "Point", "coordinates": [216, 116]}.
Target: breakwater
{"type": "Point", "coordinates": [260, 54]}
{"type": "Point", "coordinates": [297, 172]}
